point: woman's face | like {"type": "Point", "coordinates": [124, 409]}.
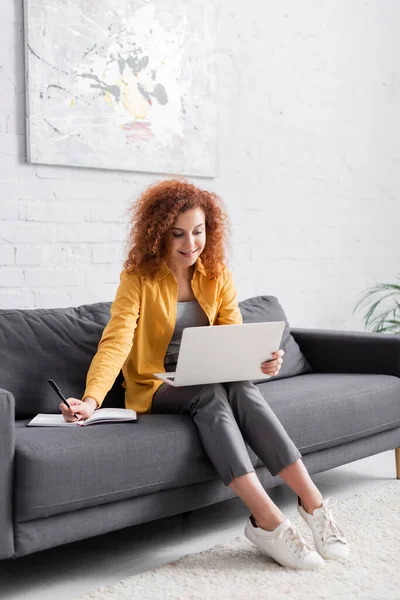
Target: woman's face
{"type": "Point", "coordinates": [188, 237]}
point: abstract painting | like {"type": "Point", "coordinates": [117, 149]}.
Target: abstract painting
{"type": "Point", "coordinates": [123, 84]}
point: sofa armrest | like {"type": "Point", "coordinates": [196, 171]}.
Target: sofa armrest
{"type": "Point", "coordinates": [7, 450]}
{"type": "Point", "coordinates": [330, 351]}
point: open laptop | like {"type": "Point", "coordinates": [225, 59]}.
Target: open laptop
{"type": "Point", "coordinates": [216, 354]}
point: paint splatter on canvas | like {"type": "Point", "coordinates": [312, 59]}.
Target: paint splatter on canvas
{"type": "Point", "coordinates": [123, 84]}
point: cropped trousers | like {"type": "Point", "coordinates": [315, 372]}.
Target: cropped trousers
{"type": "Point", "coordinates": [226, 416]}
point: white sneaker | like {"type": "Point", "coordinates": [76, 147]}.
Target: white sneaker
{"type": "Point", "coordinates": [284, 544]}
{"type": "Point", "coordinates": [328, 538]}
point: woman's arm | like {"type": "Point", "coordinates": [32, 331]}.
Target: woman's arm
{"type": "Point", "coordinates": [116, 340]}
{"type": "Point", "coordinates": [92, 402]}
{"type": "Point", "coordinates": [229, 312]}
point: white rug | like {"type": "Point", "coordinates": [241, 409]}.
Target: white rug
{"type": "Point", "coordinates": [240, 571]}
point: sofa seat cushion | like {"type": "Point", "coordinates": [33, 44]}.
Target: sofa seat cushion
{"type": "Point", "coordinates": [62, 469]}
{"type": "Point", "coordinates": [66, 468]}
{"type": "Point", "coordinates": [322, 410]}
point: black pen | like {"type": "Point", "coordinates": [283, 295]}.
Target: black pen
{"type": "Point", "coordinates": [58, 391]}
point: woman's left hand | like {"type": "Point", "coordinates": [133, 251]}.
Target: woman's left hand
{"type": "Point", "coordinates": [272, 367]}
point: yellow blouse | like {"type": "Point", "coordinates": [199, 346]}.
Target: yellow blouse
{"type": "Point", "coordinates": [141, 326]}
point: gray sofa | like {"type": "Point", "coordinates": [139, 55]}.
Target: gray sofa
{"type": "Point", "coordinates": [337, 394]}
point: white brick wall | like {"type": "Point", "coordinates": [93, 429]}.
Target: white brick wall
{"type": "Point", "coordinates": [309, 132]}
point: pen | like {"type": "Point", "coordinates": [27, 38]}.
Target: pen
{"type": "Point", "coordinates": [58, 391]}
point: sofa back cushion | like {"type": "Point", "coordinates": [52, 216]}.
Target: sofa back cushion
{"type": "Point", "coordinates": [267, 308]}
{"type": "Point", "coordinates": [59, 343]}
{"type": "Point", "coordinates": [50, 343]}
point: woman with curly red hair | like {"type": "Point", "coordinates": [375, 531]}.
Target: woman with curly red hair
{"type": "Point", "coordinates": [175, 276]}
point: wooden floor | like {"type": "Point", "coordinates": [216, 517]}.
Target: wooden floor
{"type": "Point", "coordinates": [66, 572]}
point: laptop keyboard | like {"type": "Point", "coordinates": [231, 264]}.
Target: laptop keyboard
{"type": "Point", "coordinates": [171, 378]}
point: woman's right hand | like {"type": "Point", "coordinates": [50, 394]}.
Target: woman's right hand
{"type": "Point", "coordinates": [82, 410]}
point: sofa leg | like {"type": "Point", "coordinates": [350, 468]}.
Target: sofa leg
{"type": "Point", "coordinates": [397, 454]}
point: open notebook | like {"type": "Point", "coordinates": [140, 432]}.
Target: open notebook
{"type": "Point", "coordinates": [101, 415]}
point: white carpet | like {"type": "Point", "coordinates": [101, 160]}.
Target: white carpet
{"type": "Point", "coordinates": [240, 571]}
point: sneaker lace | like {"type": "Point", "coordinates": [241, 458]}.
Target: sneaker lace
{"type": "Point", "coordinates": [330, 529]}
{"type": "Point", "coordinates": [289, 532]}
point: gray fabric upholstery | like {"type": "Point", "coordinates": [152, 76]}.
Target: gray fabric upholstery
{"type": "Point", "coordinates": [49, 343]}
{"type": "Point", "coordinates": [331, 351]}
{"type": "Point", "coordinates": [262, 309]}
{"type": "Point", "coordinates": [7, 449]}
{"type": "Point", "coordinates": [39, 534]}
{"type": "Point", "coordinates": [322, 410]}
{"type": "Point", "coordinates": [164, 451]}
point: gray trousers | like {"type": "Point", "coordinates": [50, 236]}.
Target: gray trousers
{"type": "Point", "coordinates": [227, 415]}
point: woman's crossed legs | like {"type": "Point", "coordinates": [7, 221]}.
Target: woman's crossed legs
{"type": "Point", "coordinates": [227, 415]}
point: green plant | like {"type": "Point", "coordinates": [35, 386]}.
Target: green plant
{"type": "Point", "coordinates": [388, 320]}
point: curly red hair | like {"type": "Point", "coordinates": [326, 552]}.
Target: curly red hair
{"type": "Point", "coordinates": [155, 212]}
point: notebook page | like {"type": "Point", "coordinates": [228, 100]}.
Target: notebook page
{"type": "Point", "coordinates": [111, 414]}
{"type": "Point", "coordinates": [45, 420]}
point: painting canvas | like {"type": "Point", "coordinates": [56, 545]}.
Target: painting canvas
{"type": "Point", "coordinates": [122, 84]}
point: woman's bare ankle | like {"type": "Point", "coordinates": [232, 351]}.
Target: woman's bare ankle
{"type": "Point", "coordinates": [270, 523]}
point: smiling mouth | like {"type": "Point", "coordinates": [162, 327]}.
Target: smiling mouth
{"type": "Point", "coordinates": [188, 254]}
